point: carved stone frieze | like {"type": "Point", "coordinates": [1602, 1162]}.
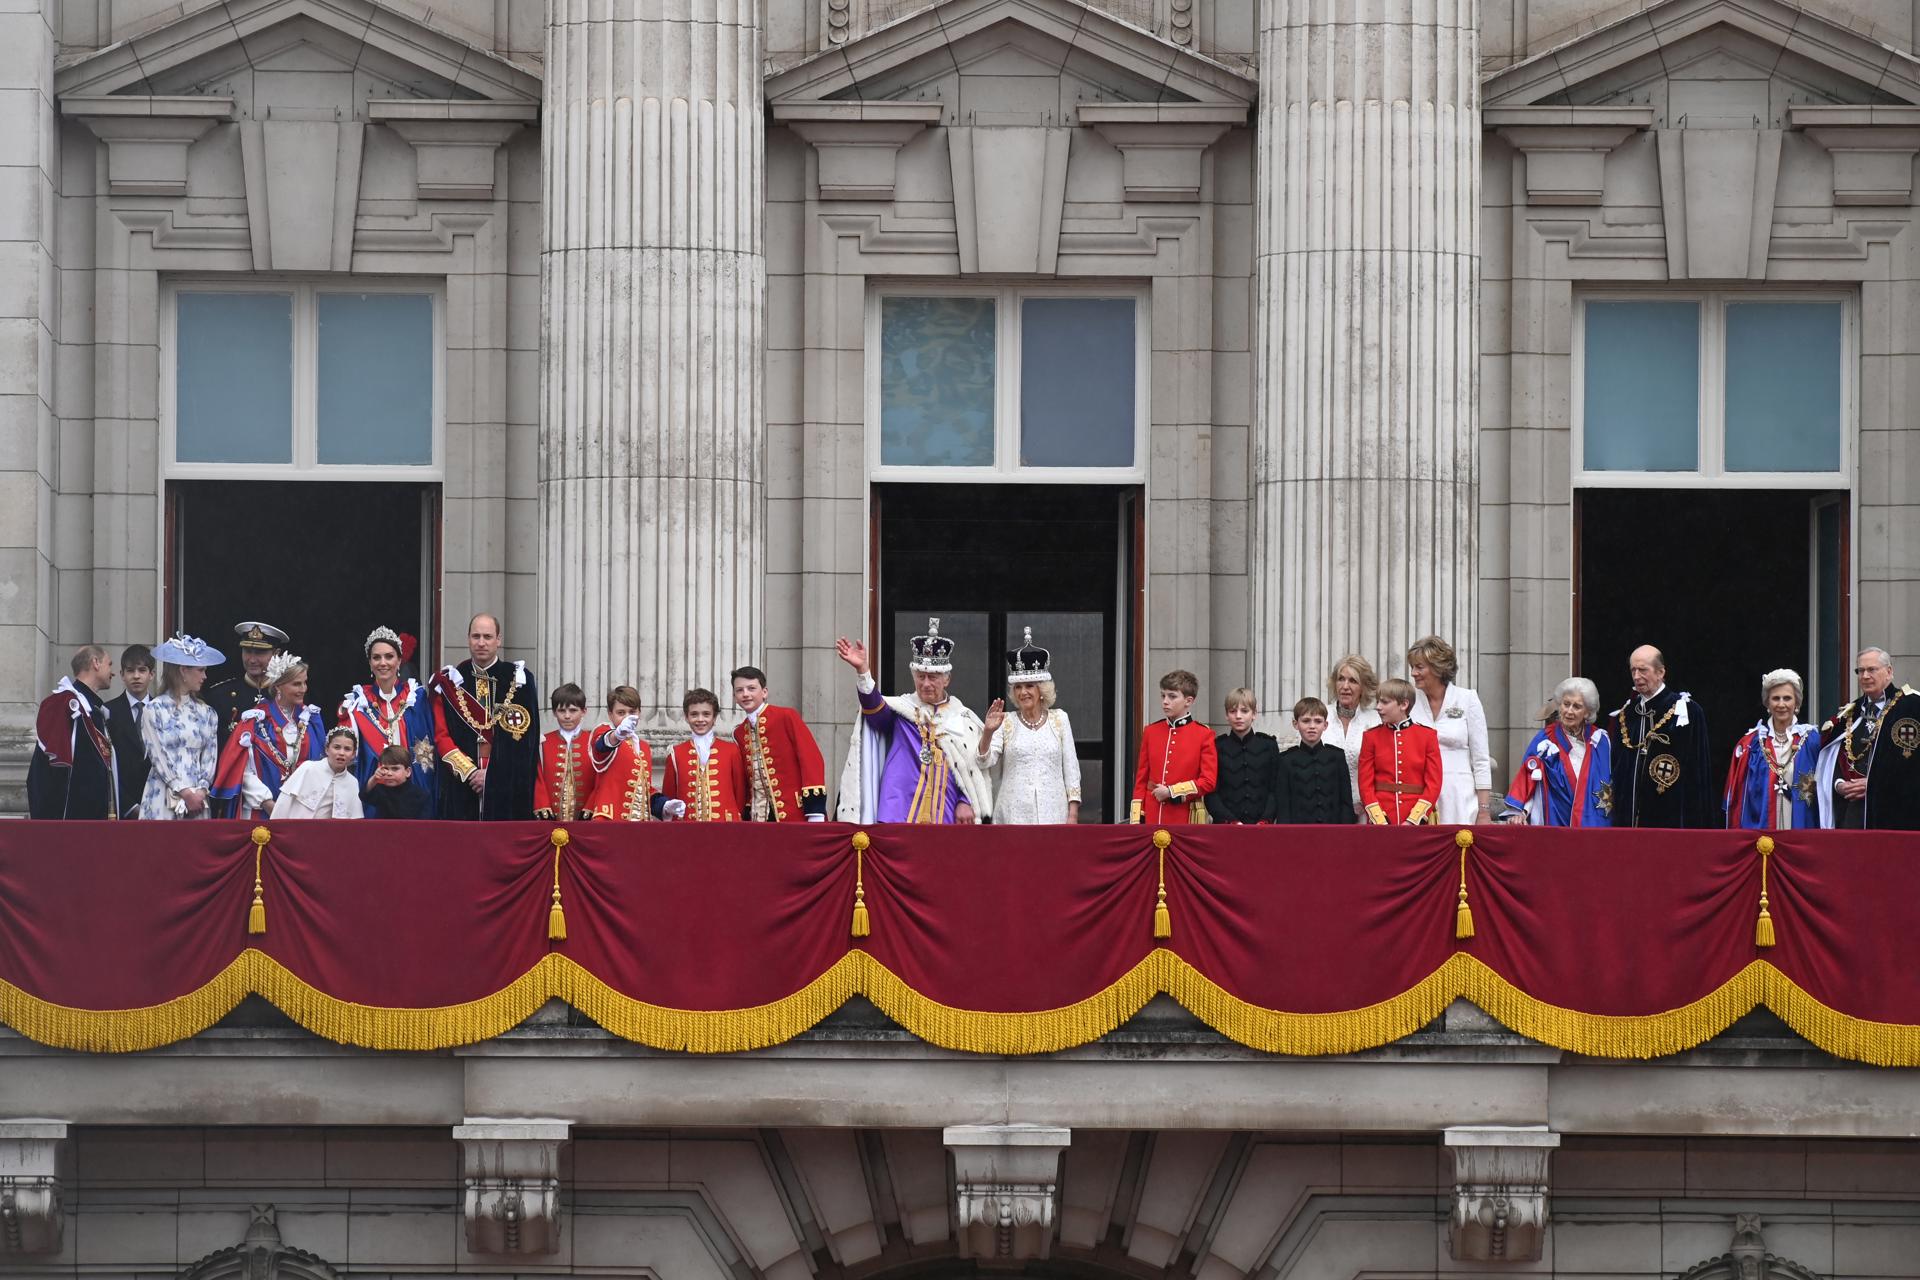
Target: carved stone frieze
{"type": "Point", "coordinates": [1747, 1258]}
{"type": "Point", "coordinates": [261, 1255]}
{"type": "Point", "coordinates": [30, 1220]}
{"type": "Point", "coordinates": [1499, 1191]}
{"type": "Point", "coordinates": [511, 1175]}
{"type": "Point", "coordinates": [1006, 1184]}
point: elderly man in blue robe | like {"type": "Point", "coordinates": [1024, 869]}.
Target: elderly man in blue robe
{"type": "Point", "coordinates": [913, 755]}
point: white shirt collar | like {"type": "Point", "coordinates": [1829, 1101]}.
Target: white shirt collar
{"type": "Point", "coordinates": [568, 735]}
{"type": "Point", "coordinates": [1658, 690]}
{"type": "Point", "coordinates": [703, 744]}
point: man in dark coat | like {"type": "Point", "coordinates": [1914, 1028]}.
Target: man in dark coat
{"type": "Point", "coordinates": [1662, 775]}
{"type": "Point", "coordinates": [71, 774]}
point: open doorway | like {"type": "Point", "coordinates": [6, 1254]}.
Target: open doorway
{"type": "Point", "coordinates": [1730, 584]}
{"type": "Point", "coordinates": [326, 562]}
{"type": "Point", "coordinates": [991, 560]}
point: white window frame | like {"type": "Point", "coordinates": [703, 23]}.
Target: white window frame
{"type": "Point", "coordinates": [1711, 469]}
{"type": "Point", "coordinates": [1006, 468]}
{"type": "Point", "coordinates": [306, 464]}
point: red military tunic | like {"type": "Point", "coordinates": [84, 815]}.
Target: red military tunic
{"type": "Point", "coordinates": [783, 763]}
{"type": "Point", "coordinates": [623, 777]}
{"type": "Point", "coordinates": [1180, 755]}
{"type": "Point", "coordinates": [563, 789]}
{"type": "Point", "coordinates": [716, 791]}
{"type": "Point", "coordinates": [1399, 773]}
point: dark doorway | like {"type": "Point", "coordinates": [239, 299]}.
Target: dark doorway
{"type": "Point", "coordinates": [991, 560]}
{"type": "Point", "coordinates": [326, 562]}
{"type": "Point", "coordinates": [1729, 584]}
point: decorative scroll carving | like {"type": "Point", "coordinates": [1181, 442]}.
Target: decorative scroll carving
{"type": "Point", "coordinates": [1006, 1181]}
{"type": "Point", "coordinates": [1499, 1191]}
{"type": "Point", "coordinates": [30, 1220]}
{"type": "Point", "coordinates": [261, 1256]}
{"type": "Point", "coordinates": [1747, 1258]}
{"type": "Point", "coordinates": [511, 1170]}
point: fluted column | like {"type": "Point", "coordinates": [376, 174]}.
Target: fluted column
{"type": "Point", "coordinates": [653, 289]}
{"type": "Point", "coordinates": [1365, 454]}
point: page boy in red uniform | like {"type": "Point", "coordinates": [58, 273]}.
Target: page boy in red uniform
{"type": "Point", "coordinates": [786, 777]}
{"type": "Point", "coordinates": [1399, 763]}
{"type": "Point", "coordinates": [622, 761]}
{"type": "Point", "coordinates": [563, 788]}
{"type": "Point", "coordinates": [1179, 762]}
{"type": "Point", "coordinates": [707, 774]}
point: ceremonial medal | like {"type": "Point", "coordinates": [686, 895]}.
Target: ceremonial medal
{"type": "Point", "coordinates": [926, 755]}
{"type": "Point", "coordinates": [1665, 771]}
{"type": "Point", "coordinates": [515, 719]}
{"type": "Point", "coordinates": [1906, 736]}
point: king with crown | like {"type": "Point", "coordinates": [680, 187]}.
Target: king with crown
{"type": "Point", "coordinates": [913, 757]}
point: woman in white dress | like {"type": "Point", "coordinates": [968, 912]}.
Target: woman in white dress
{"type": "Point", "coordinates": [324, 788]}
{"type": "Point", "coordinates": [180, 733]}
{"type": "Point", "coordinates": [1350, 693]}
{"type": "Point", "coordinates": [1456, 716]}
{"type": "Point", "coordinates": [1038, 769]}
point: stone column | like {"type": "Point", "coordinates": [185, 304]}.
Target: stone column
{"type": "Point", "coordinates": [653, 288]}
{"type": "Point", "coordinates": [1366, 274]}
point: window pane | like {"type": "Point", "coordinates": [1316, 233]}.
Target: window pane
{"type": "Point", "coordinates": [1642, 386]}
{"type": "Point", "coordinates": [1076, 382]}
{"type": "Point", "coordinates": [936, 382]}
{"type": "Point", "coordinates": [1076, 645]}
{"type": "Point", "coordinates": [1783, 386]}
{"type": "Point", "coordinates": [376, 378]}
{"type": "Point", "coordinates": [233, 397]}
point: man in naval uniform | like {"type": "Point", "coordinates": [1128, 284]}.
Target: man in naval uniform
{"type": "Point", "coordinates": [486, 728]}
{"type": "Point", "coordinates": [913, 755]}
{"type": "Point", "coordinates": [1869, 771]}
{"type": "Point", "coordinates": [236, 695]}
{"type": "Point", "coordinates": [1661, 771]}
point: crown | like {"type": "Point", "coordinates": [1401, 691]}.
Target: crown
{"type": "Point", "coordinates": [281, 664]}
{"type": "Point", "coordinates": [388, 634]}
{"type": "Point", "coordinates": [932, 652]}
{"type": "Point", "coordinates": [1029, 663]}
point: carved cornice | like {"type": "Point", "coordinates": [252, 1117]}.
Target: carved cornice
{"type": "Point", "coordinates": [147, 137]}
{"type": "Point", "coordinates": [858, 142]}
{"type": "Point", "coordinates": [454, 141]}
{"type": "Point", "coordinates": [1006, 1184]}
{"type": "Point", "coordinates": [1872, 149]}
{"type": "Point", "coordinates": [1566, 147]}
{"type": "Point", "coordinates": [511, 1174]}
{"type": "Point", "coordinates": [1161, 144]}
{"type": "Point", "coordinates": [1499, 1191]}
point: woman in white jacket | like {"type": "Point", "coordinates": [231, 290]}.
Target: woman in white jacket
{"type": "Point", "coordinates": [1456, 716]}
{"type": "Point", "coordinates": [1351, 688]}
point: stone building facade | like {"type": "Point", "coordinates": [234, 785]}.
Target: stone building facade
{"type": "Point", "coordinates": [1224, 334]}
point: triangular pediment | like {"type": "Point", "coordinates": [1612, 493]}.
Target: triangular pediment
{"type": "Point", "coordinates": [1090, 52]}
{"type": "Point", "coordinates": [1803, 55]}
{"type": "Point", "coordinates": [388, 54]}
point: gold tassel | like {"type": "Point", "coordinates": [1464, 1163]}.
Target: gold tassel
{"type": "Point", "coordinates": [1462, 913]}
{"type": "Point", "coordinates": [257, 913]}
{"type": "Point", "coordinates": [1763, 927]}
{"type": "Point", "coordinates": [862, 926]}
{"type": "Point", "coordinates": [1162, 917]}
{"type": "Point", "coordinates": [556, 915]}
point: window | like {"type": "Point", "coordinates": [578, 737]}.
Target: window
{"type": "Point", "coordinates": [1007, 383]}
{"type": "Point", "coordinates": [278, 378]}
{"type": "Point", "coordinates": [1745, 388]}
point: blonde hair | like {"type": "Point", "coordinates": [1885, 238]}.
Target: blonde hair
{"type": "Point", "coordinates": [1437, 656]}
{"type": "Point", "coordinates": [1241, 697]}
{"type": "Point", "coordinates": [1047, 693]}
{"type": "Point", "coordinates": [1363, 672]}
{"type": "Point", "coordinates": [1397, 690]}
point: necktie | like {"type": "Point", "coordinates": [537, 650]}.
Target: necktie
{"type": "Point", "coordinates": [138, 708]}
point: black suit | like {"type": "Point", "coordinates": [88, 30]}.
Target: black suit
{"type": "Point", "coordinates": [129, 754]}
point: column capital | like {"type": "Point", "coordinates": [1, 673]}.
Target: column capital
{"type": "Point", "coordinates": [1499, 1191]}
{"type": "Point", "coordinates": [511, 1173]}
{"type": "Point", "coordinates": [1006, 1181]}
{"type": "Point", "coordinates": [30, 1217]}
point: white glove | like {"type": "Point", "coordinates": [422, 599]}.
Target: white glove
{"type": "Point", "coordinates": [674, 809]}
{"type": "Point", "coordinates": [816, 817]}
{"type": "Point", "coordinates": [629, 728]}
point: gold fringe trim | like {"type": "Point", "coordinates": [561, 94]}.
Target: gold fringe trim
{"type": "Point", "coordinates": [974, 1031]}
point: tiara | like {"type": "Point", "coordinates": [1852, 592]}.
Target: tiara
{"type": "Point", "coordinates": [280, 664]}
{"type": "Point", "coordinates": [380, 633]}
{"type": "Point", "coordinates": [932, 652]}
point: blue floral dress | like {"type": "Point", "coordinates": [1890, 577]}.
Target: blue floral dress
{"type": "Point", "coordinates": [183, 744]}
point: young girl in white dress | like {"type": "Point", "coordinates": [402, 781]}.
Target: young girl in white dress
{"type": "Point", "coordinates": [1038, 768]}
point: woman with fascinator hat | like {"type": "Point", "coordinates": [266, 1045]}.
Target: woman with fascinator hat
{"type": "Point", "coordinates": [272, 740]}
{"type": "Point", "coordinates": [181, 733]}
{"type": "Point", "coordinates": [1033, 748]}
{"type": "Point", "coordinates": [389, 711]}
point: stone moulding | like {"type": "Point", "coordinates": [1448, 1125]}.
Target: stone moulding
{"type": "Point", "coordinates": [858, 142]}
{"type": "Point", "coordinates": [30, 1212]}
{"type": "Point", "coordinates": [147, 137]}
